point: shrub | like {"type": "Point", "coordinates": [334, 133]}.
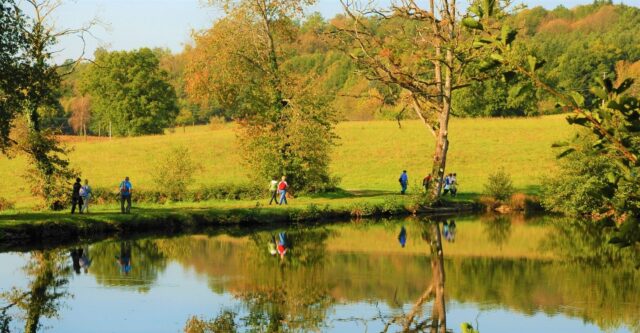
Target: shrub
{"type": "Point", "coordinates": [499, 185]}
{"type": "Point", "coordinates": [103, 195]}
{"type": "Point", "coordinates": [228, 192]}
{"type": "Point", "coordinates": [175, 172]}
{"type": "Point", "coordinates": [6, 204]}
{"type": "Point", "coordinates": [392, 205]}
{"type": "Point", "coordinates": [217, 123]}
{"type": "Point", "coordinates": [518, 201]}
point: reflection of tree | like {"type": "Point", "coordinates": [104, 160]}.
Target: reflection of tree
{"type": "Point", "coordinates": [278, 300]}
{"type": "Point", "coordinates": [43, 296]}
{"type": "Point", "coordinates": [411, 322]}
{"type": "Point", "coordinates": [145, 259]}
{"type": "Point", "coordinates": [497, 230]}
{"type": "Point", "coordinates": [585, 241]}
{"type": "Point", "coordinates": [306, 246]}
{"type": "Point", "coordinates": [281, 296]}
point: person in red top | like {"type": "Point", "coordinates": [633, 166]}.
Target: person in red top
{"type": "Point", "coordinates": [426, 182]}
{"type": "Point", "coordinates": [282, 188]}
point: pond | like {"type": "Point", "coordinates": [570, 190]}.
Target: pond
{"type": "Point", "coordinates": [502, 274]}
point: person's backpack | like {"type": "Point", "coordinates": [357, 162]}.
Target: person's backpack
{"type": "Point", "coordinates": [83, 192]}
{"type": "Point", "coordinates": [282, 186]}
{"type": "Point", "coordinates": [124, 189]}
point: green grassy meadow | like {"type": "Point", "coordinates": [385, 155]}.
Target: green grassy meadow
{"type": "Point", "coordinates": [369, 157]}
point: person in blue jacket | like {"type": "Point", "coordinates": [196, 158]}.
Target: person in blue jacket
{"type": "Point", "coordinates": [404, 181]}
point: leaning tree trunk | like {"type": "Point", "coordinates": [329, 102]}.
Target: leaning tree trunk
{"type": "Point", "coordinates": [445, 90]}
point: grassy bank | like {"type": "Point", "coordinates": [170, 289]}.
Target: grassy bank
{"type": "Point", "coordinates": [368, 159]}
{"type": "Point", "coordinates": [103, 221]}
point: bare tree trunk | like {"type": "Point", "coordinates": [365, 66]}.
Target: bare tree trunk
{"type": "Point", "coordinates": [442, 143]}
{"type": "Point", "coordinates": [273, 56]}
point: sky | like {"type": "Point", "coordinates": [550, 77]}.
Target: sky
{"type": "Point", "coordinates": [132, 24]}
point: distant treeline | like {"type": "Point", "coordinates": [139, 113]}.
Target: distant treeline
{"type": "Point", "coordinates": [580, 44]}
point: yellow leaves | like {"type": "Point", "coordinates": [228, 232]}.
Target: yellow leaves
{"type": "Point", "coordinates": [385, 53]}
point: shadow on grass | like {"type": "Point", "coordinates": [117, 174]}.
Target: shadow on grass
{"type": "Point", "coordinates": [342, 194]}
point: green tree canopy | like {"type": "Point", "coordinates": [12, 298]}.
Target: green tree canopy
{"type": "Point", "coordinates": [130, 93]}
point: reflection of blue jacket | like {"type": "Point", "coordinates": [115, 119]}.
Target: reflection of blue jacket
{"type": "Point", "coordinates": [404, 178]}
{"type": "Point", "coordinates": [283, 239]}
{"type": "Point", "coordinates": [402, 237]}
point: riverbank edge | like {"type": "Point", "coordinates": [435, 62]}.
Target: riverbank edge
{"type": "Point", "coordinates": [96, 227]}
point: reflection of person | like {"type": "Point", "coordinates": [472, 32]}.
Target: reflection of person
{"type": "Point", "coordinates": [85, 261]}
{"type": "Point", "coordinates": [452, 231]}
{"type": "Point", "coordinates": [402, 237]}
{"type": "Point", "coordinates": [445, 230]}
{"type": "Point", "coordinates": [124, 259]}
{"type": "Point", "coordinates": [75, 259]}
{"type": "Point", "coordinates": [282, 244]}
{"type": "Point", "coordinates": [272, 246]}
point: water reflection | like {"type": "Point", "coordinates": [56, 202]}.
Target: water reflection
{"type": "Point", "coordinates": [47, 274]}
{"type": "Point", "coordinates": [337, 274]}
{"type": "Point", "coordinates": [134, 264]}
{"type": "Point", "coordinates": [283, 301]}
{"type": "Point", "coordinates": [497, 229]}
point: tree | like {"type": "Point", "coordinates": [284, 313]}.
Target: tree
{"type": "Point", "coordinates": [611, 118]}
{"type": "Point", "coordinates": [130, 93]}
{"type": "Point", "coordinates": [12, 42]}
{"type": "Point", "coordinates": [80, 114]}
{"type": "Point", "coordinates": [420, 50]}
{"type": "Point", "coordinates": [286, 125]}
{"type": "Point", "coordinates": [38, 87]}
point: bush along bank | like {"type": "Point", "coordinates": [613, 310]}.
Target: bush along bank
{"type": "Point", "coordinates": [78, 227]}
{"type": "Point", "coordinates": [217, 192]}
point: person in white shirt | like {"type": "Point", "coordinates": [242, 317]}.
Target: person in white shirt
{"type": "Point", "coordinates": [273, 189]}
{"type": "Point", "coordinates": [85, 193]}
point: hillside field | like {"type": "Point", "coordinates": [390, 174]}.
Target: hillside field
{"type": "Point", "coordinates": [369, 157]}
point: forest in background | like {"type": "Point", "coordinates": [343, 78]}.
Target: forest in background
{"type": "Point", "coordinates": [580, 45]}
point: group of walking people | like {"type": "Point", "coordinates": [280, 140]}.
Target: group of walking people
{"type": "Point", "coordinates": [450, 183]}
{"type": "Point", "coordinates": [81, 196]}
{"type": "Point", "coordinates": [278, 191]}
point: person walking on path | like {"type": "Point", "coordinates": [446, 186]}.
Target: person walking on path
{"type": "Point", "coordinates": [404, 181]}
{"type": "Point", "coordinates": [426, 183]}
{"type": "Point", "coordinates": [85, 194]}
{"type": "Point", "coordinates": [282, 188]}
{"type": "Point", "coordinates": [454, 184]}
{"type": "Point", "coordinates": [125, 195]}
{"type": "Point", "coordinates": [75, 197]}
{"type": "Point", "coordinates": [273, 189]}
{"type": "Point", "coordinates": [447, 184]}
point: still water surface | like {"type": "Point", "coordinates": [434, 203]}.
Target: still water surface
{"type": "Point", "coordinates": [501, 274]}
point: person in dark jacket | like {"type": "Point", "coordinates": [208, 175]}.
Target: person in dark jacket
{"type": "Point", "coordinates": [76, 199]}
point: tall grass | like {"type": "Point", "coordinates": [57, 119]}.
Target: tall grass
{"type": "Point", "coordinates": [369, 158]}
